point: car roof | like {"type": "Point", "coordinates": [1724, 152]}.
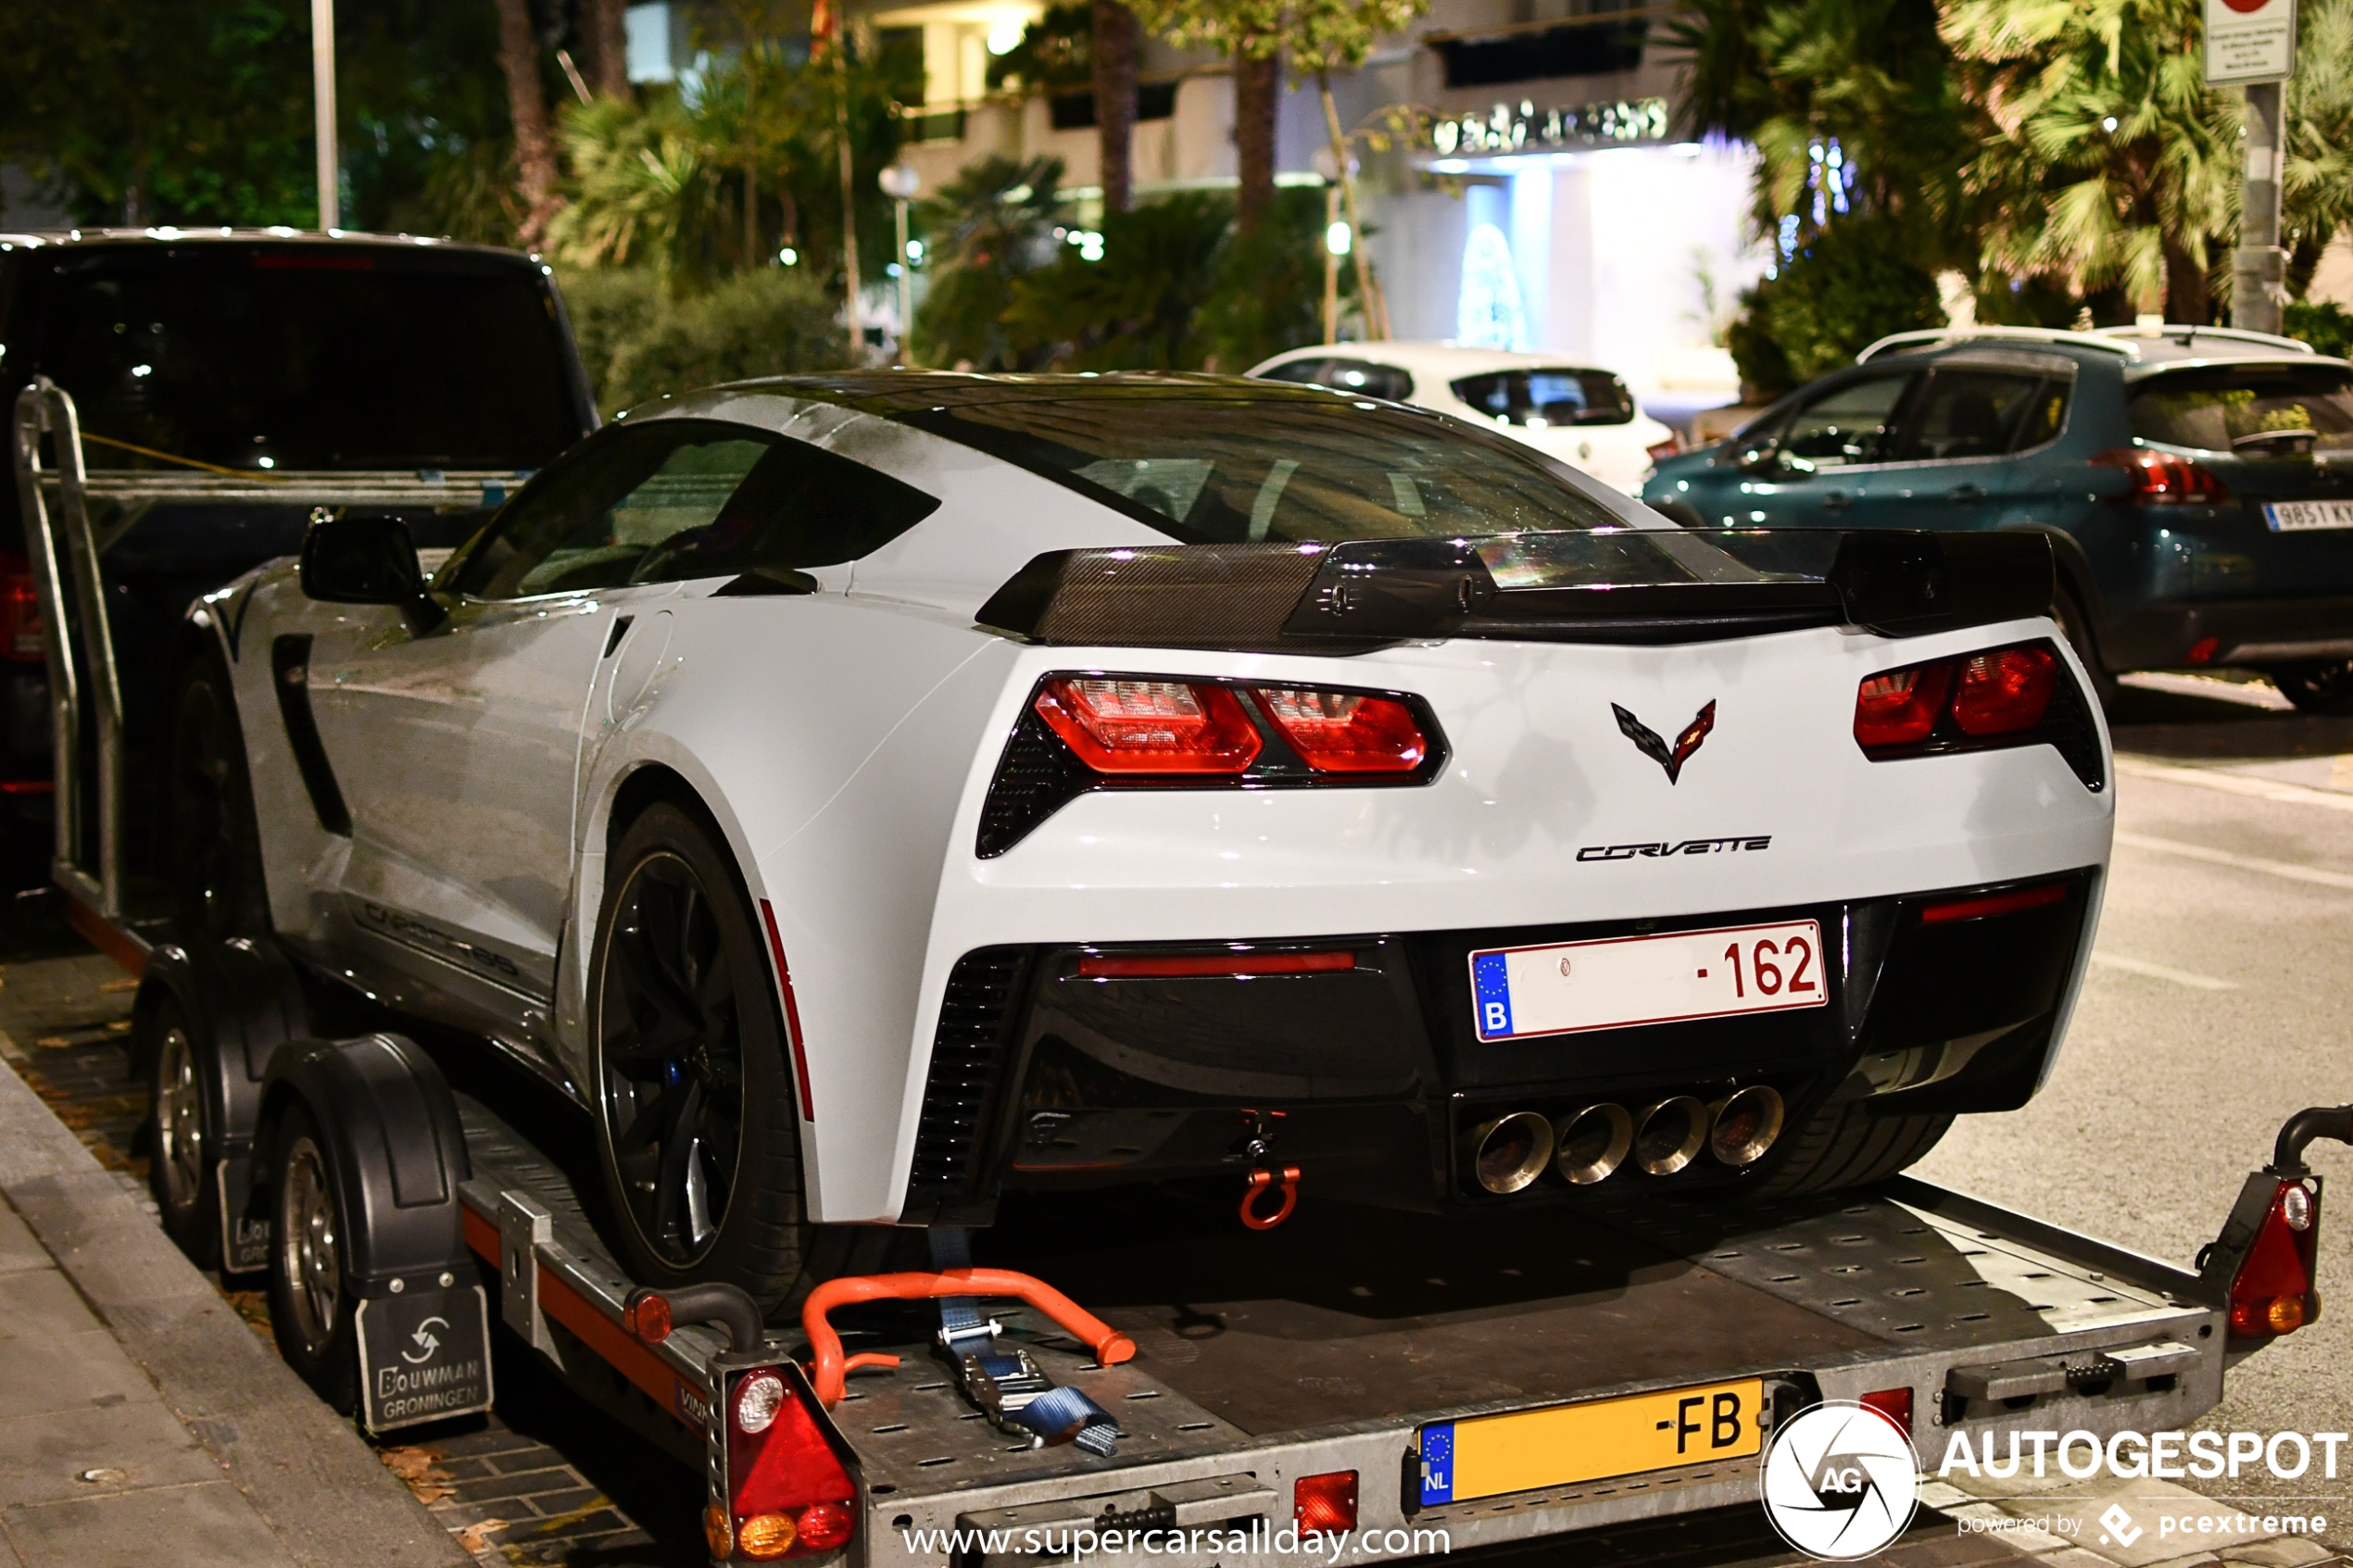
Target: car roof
{"type": "Point", "coordinates": [888, 392]}
{"type": "Point", "coordinates": [2138, 351]}
{"type": "Point", "coordinates": [1448, 360]}
{"type": "Point", "coordinates": [166, 234]}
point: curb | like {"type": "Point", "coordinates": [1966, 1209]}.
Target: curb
{"type": "Point", "coordinates": [319, 1486]}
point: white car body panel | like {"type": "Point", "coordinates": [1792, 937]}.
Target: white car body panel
{"type": "Point", "coordinates": [844, 741]}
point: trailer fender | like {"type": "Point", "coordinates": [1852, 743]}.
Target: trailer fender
{"type": "Point", "coordinates": [396, 1151]}
{"type": "Point", "coordinates": [238, 1001]}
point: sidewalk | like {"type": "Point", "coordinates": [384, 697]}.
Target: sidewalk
{"type": "Point", "coordinates": [141, 1419]}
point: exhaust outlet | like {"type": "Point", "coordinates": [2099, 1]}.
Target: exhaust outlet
{"type": "Point", "coordinates": [1511, 1151]}
{"type": "Point", "coordinates": [1747, 1122]}
{"type": "Point", "coordinates": [1593, 1142]}
{"type": "Point", "coordinates": [1669, 1135]}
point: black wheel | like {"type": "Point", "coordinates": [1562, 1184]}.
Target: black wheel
{"type": "Point", "coordinates": [312, 1308]}
{"type": "Point", "coordinates": [180, 1141]}
{"type": "Point", "coordinates": [2076, 627]}
{"type": "Point", "coordinates": [699, 1132]}
{"type": "Point", "coordinates": [215, 847]}
{"type": "Point", "coordinates": [2324, 685]}
{"type": "Point", "coordinates": [1846, 1146]}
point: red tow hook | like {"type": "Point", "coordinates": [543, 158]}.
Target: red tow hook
{"type": "Point", "coordinates": [1258, 1182]}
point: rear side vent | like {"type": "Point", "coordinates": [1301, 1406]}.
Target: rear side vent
{"type": "Point", "coordinates": [968, 1057]}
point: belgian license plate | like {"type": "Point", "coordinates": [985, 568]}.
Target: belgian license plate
{"type": "Point", "coordinates": [1489, 1455]}
{"type": "Point", "coordinates": [2296, 517]}
{"type": "Point", "coordinates": [1564, 987]}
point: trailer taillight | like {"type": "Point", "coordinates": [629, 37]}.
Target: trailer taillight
{"type": "Point", "coordinates": [1326, 1504]}
{"type": "Point", "coordinates": [2273, 1293]}
{"type": "Point", "coordinates": [20, 634]}
{"type": "Point", "coordinates": [788, 1495]}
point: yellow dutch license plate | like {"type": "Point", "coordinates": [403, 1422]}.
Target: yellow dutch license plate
{"type": "Point", "coordinates": [1487, 1455]}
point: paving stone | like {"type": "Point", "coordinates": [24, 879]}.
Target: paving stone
{"type": "Point", "coordinates": [17, 1249]}
{"type": "Point", "coordinates": [43, 1457]}
{"type": "Point", "coordinates": [2281, 1551]}
{"type": "Point", "coordinates": [206, 1525]}
{"type": "Point", "coordinates": [2150, 1534]}
{"type": "Point", "coordinates": [38, 1306]}
{"type": "Point", "coordinates": [72, 1372]}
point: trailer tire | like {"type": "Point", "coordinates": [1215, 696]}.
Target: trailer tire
{"type": "Point", "coordinates": [183, 1143]}
{"type": "Point", "coordinates": [313, 1310]}
{"type": "Point", "coordinates": [216, 880]}
{"type": "Point", "coordinates": [1846, 1145]}
{"type": "Point", "coordinates": [685, 1027]}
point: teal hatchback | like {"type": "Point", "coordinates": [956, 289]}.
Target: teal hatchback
{"type": "Point", "coordinates": [2197, 483]}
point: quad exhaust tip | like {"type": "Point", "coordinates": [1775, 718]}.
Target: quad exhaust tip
{"type": "Point", "coordinates": [1746, 1123]}
{"type": "Point", "coordinates": [1593, 1142]}
{"type": "Point", "coordinates": [1669, 1135]}
{"type": "Point", "coordinates": [1511, 1151]}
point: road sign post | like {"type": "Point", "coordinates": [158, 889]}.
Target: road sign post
{"type": "Point", "coordinates": [2252, 43]}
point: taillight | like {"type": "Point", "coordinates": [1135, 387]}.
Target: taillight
{"type": "Point", "coordinates": [787, 1494]}
{"type": "Point", "coordinates": [2273, 1293]}
{"type": "Point", "coordinates": [1660, 451]}
{"type": "Point", "coordinates": [2163, 479]}
{"type": "Point", "coordinates": [1345, 732]}
{"type": "Point", "coordinates": [1902, 706]}
{"type": "Point", "coordinates": [2004, 692]}
{"type": "Point", "coordinates": [1893, 1403]}
{"type": "Point", "coordinates": [1326, 1504]}
{"type": "Point", "coordinates": [20, 636]}
{"type": "Point", "coordinates": [1130, 726]}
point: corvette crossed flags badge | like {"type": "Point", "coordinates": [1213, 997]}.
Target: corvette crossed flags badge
{"type": "Point", "coordinates": [1646, 740]}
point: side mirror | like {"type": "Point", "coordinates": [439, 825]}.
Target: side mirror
{"type": "Point", "coordinates": [367, 560]}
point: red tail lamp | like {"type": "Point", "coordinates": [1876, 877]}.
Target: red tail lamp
{"type": "Point", "coordinates": [1345, 732]}
{"type": "Point", "coordinates": [1901, 706]}
{"type": "Point", "coordinates": [2163, 479]}
{"type": "Point", "coordinates": [1895, 1404]}
{"type": "Point", "coordinates": [1127, 726]}
{"type": "Point", "coordinates": [1994, 904]}
{"type": "Point", "coordinates": [787, 1492]}
{"type": "Point", "coordinates": [2004, 692]}
{"type": "Point", "coordinates": [1326, 1504]}
{"type": "Point", "coordinates": [21, 639]}
{"type": "Point", "coordinates": [2273, 1293]}
{"type": "Point", "coordinates": [2001, 692]}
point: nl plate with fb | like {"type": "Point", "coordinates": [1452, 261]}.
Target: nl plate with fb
{"type": "Point", "coordinates": [2296, 517]}
{"type": "Point", "coordinates": [1562, 987]}
{"type": "Point", "coordinates": [1566, 1445]}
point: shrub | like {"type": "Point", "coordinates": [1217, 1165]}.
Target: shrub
{"type": "Point", "coordinates": [639, 344]}
{"type": "Point", "coordinates": [1850, 286]}
{"type": "Point", "coordinates": [2328, 326]}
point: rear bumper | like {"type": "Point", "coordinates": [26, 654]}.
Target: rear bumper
{"type": "Point", "coordinates": [2243, 632]}
{"type": "Point", "coordinates": [1370, 1078]}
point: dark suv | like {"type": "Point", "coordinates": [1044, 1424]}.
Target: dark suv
{"type": "Point", "coordinates": [2197, 483]}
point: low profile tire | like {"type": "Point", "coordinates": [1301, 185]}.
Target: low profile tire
{"type": "Point", "coordinates": [700, 1136]}
{"type": "Point", "coordinates": [181, 1139]}
{"type": "Point", "coordinates": [1846, 1146]}
{"type": "Point", "coordinates": [2324, 685]}
{"type": "Point", "coordinates": [312, 1309]}
{"type": "Point", "coordinates": [218, 891]}
{"type": "Point", "coordinates": [2076, 627]}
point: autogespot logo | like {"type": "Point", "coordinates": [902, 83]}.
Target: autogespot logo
{"type": "Point", "coordinates": [1840, 1482]}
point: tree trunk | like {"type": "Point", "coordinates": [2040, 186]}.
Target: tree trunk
{"type": "Point", "coordinates": [1118, 37]}
{"type": "Point", "coordinates": [1258, 86]}
{"type": "Point", "coordinates": [527, 107]}
{"type": "Point", "coordinates": [2187, 296]}
{"type": "Point", "coordinates": [1367, 296]}
{"type": "Point", "coordinates": [603, 30]}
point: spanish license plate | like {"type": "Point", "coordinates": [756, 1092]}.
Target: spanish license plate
{"type": "Point", "coordinates": [1564, 987]}
{"type": "Point", "coordinates": [2296, 517]}
{"type": "Point", "coordinates": [1488, 1455]}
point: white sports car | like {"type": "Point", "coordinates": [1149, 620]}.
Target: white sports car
{"type": "Point", "coordinates": [866, 795]}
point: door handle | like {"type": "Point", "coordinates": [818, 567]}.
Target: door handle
{"type": "Point", "coordinates": [1835, 501]}
{"type": "Point", "coordinates": [1965, 494]}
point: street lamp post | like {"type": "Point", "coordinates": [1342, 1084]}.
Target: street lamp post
{"type": "Point", "coordinates": [901, 183]}
{"type": "Point", "coordinates": [322, 92]}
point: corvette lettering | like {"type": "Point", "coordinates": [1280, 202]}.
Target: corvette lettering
{"type": "Point", "coordinates": [1734, 845]}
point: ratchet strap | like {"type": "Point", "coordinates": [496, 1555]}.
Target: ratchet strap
{"type": "Point", "coordinates": [1002, 1380]}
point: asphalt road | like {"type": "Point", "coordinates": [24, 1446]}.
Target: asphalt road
{"type": "Point", "coordinates": [2220, 998]}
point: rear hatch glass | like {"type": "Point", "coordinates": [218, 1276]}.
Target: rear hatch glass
{"type": "Point", "coordinates": [1556, 396]}
{"type": "Point", "coordinates": [2254, 411]}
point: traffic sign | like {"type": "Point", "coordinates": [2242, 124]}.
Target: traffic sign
{"type": "Point", "coordinates": [2249, 40]}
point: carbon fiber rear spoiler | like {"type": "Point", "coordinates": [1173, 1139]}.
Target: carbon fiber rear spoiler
{"type": "Point", "coordinates": [1628, 585]}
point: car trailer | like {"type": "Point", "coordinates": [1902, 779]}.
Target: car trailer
{"type": "Point", "coordinates": [1204, 1391]}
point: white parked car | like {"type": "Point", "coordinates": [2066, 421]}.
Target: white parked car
{"type": "Point", "coordinates": [868, 795]}
{"type": "Point", "coordinates": [1582, 415]}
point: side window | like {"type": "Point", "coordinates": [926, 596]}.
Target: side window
{"type": "Point", "coordinates": [686, 498]}
{"type": "Point", "coordinates": [1361, 376]}
{"type": "Point", "coordinates": [1847, 424]}
{"type": "Point", "coordinates": [2045, 415]}
{"type": "Point", "coordinates": [1969, 413]}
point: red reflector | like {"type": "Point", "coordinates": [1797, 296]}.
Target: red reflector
{"type": "Point", "coordinates": [20, 634]}
{"type": "Point", "coordinates": [27, 786]}
{"type": "Point", "coordinates": [1150, 726]}
{"type": "Point", "coordinates": [1994, 904]}
{"type": "Point", "coordinates": [1901, 706]}
{"type": "Point", "coordinates": [2204, 649]}
{"type": "Point", "coordinates": [2162, 479]}
{"type": "Point", "coordinates": [788, 1468]}
{"type": "Point", "coordinates": [2004, 692]}
{"type": "Point", "coordinates": [1324, 1505]}
{"type": "Point", "coordinates": [1096, 966]}
{"type": "Point", "coordinates": [792, 1012]}
{"type": "Point", "coordinates": [2273, 1292]}
{"type": "Point", "coordinates": [1343, 732]}
{"type": "Point", "coordinates": [648, 1314]}
{"type": "Point", "coordinates": [825, 1526]}
{"type": "Point", "coordinates": [1893, 1403]}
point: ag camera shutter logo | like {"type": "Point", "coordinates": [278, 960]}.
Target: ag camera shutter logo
{"type": "Point", "coordinates": [1840, 1482]}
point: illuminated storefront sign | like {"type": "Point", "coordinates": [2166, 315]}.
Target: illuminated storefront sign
{"type": "Point", "coordinates": [1527, 129]}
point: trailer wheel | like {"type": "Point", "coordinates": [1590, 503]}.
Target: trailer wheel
{"type": "Point", "coordinates": [699, 1132]}
{"type": "Point", "coordinates": [313, 1312]}
{"type": "Point", "coordinates": [216, 858]}
{"type": "Point", "coordinates": [1846, 1146]}
{"type": "Point", "coordinates": [180, 1141]}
